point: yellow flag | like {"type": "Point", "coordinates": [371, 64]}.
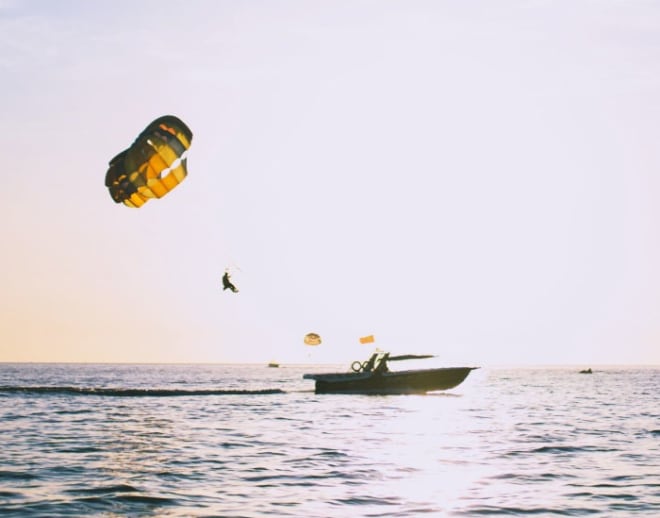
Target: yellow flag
{"type": "Point", "coordinates": [367, 339]}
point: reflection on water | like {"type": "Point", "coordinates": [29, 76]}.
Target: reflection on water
{"type": "Point", "coordinates": [542, 441]}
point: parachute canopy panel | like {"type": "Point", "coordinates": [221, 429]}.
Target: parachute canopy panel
{"type": "Point", "coordinates": [153, 165]}
{"type": "Point", "coordinates": [312, 339]}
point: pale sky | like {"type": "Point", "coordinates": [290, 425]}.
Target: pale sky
{"type": "Point", "coordinates": [472, 179]}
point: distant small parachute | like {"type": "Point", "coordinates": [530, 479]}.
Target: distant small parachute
{"type": "Point", "coordinates": [153, 165]}
{"type": "Point", "coordinates": [312, 339]}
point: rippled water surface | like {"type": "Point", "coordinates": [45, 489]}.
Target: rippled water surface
{"type": "Point", "coordinates": [219, 440]}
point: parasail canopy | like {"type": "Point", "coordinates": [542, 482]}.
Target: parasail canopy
{"type": "Point", "coordinates": [153, 165]}
{"type": "Point", "coordinates": [312, 339]}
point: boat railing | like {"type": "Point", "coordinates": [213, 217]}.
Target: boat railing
{"type": "Point", "coordinates": [376, 363]}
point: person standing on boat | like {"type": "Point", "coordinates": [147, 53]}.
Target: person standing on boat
{"type": "Point", "coordinates": [381, 365]}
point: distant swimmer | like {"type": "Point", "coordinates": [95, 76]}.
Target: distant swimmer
{"type": "Point", "coordinates": [227, 284]}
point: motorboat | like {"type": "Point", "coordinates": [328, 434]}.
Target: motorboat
{"type": "Point", "coordinates": [374, 377]}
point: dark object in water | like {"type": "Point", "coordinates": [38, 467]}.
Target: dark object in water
{"type": "Point", "coordinates": [273, 364]}
{"type": "Point", "coordinates": [586, 371]}
{"type": "Point", "coordinates": [374, 377]}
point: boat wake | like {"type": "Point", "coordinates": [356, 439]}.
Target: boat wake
{"type": "Point", "coordinates": [134, 392]}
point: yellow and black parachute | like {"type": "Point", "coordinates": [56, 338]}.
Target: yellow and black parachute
{"type": "Point", "coordinates": [153, 165]}
{"type": "Point", "coordinates": [312, 339]}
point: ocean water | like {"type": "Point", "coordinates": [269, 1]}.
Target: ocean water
{"type": "Point", "coordinates": [247, 440]}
